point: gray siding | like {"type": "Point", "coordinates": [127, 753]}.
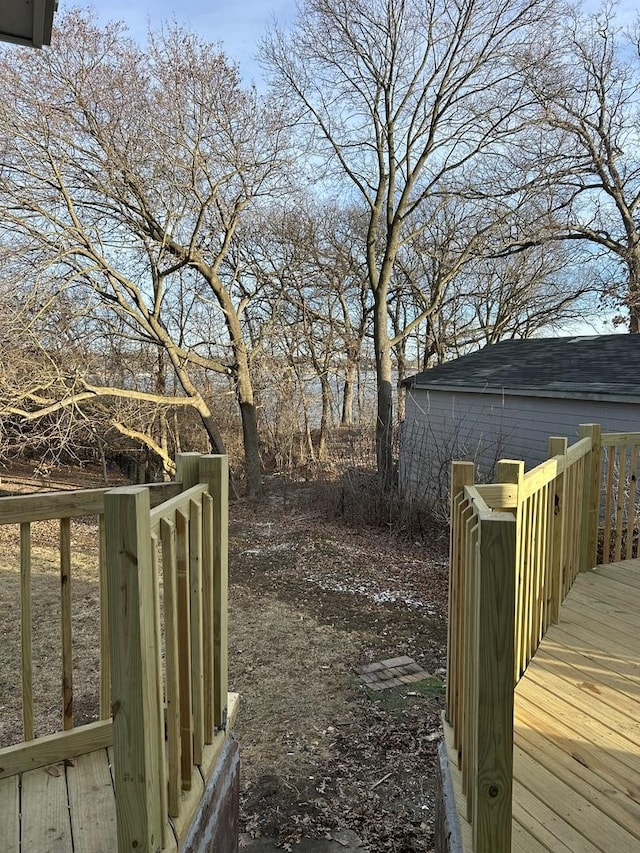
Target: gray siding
{"type": "Point", "coordinates": [484, 427]}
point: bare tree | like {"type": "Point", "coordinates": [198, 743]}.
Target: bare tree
{"type": "Point", "coordinates": [64, 384]}
{"type": "Point", "coordinates": [589, 99]}
{"type": "Point", "coordinates": [128, 170]}
{"type": "Point", "coordinates": [464, 293]}
{"type": "Point", "coordinates": [304, 259]}
{"type": "Point", "coordinates": [404, 99]}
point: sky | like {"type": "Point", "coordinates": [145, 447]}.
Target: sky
{"type": "Point", "coordinates": [238, 24]}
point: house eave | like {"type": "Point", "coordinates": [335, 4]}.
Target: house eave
{"type": "Point", "coordinates": [601, 396]}
{"type": "Point", "coordinates": [27, 22]}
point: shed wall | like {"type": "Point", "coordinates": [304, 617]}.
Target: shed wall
{"type": "Point", "coordinates": [485, 427]}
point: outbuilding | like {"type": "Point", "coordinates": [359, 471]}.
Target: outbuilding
{"type": "Point", "coordinates": [504, 401]}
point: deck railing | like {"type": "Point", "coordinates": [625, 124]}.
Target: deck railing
{"type": "Point", "coordinates": [480, 664]}
{"type": "Point", "coordinates": [621, 517]}
{"type": "Point", "coordinates": [506, 586]}
{"type": "Point", "coordinates": [23, 511]}
{"type": "Point", "coordinates": [162, 567]}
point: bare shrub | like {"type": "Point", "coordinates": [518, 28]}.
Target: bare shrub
{"type": "Point", "coordinates": [349, 486]}
{"type": "Point", "coordinates": [425, 457]}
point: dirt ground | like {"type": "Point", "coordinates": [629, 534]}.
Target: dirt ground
{"type": "Point", "coordinates": [311, 599]}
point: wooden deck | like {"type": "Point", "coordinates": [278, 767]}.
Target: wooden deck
{"type": "Point", "coordinates": [69, 806]}
{"type": "Point", "coordinates": [577, 725]}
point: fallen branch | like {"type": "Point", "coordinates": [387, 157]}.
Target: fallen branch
{"type": "Point", "coordinates": [380, 781]}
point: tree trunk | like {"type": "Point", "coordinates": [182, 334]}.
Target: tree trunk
{"type": "Point", "coordinates": [402, 372]}
{"type": "Point", "coordinates": [633, 265]}
{"type": "Point", "coordinates": [324, 418]}
{"type": "Point", "coordinates": [429, 348]}
{"type": "Point", "coordinates": [307, 424]}
{"type": "Point", "coordinates": [161, 388]}
{"type": "Point", "coordinates": [199, 403]}
{"type": "Point", "coordinates": [251, 448]}
{"type": "Point", "coordinates": [384, 420]}
{"type": "Point", "coordinates": [361, 401]}
{"type": "Point", "coordinates": [346, 418]}
{"type": "Point", "coordinates": [244, 391]}
{"type": "Point", "coordinates": [211, 428]}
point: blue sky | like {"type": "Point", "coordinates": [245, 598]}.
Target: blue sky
{"type": "Point", "coordinates": [238, 24]}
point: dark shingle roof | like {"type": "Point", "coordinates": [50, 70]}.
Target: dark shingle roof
{"type": "Point", "coordinates": [602, 365]}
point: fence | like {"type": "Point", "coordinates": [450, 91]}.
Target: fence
{"type": "Point", "coordinates": [162, 564]}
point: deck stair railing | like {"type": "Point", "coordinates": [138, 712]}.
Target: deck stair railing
{"type": "Point", "coordinates": [516, 548]}
{"type": "Point", "coordinates": [163, 706]}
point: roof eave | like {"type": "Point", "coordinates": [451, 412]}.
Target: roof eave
{"type": "Point", "coordinates": [577, 394]}
{"type": "Point", "coordinates": [27, 22]}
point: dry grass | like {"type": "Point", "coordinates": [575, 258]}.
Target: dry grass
{"type": "Point", "coordinates": [285, 703]}
{"type": "Point", "coordinates": [47, 667]}
{"type": "Point", "coordinates": [311, 600]}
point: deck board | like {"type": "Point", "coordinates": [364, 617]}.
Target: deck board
{"type": "Point", "coordinates": [586, 752]}
{"type": "Point", "coordinates": [629, 572]}
{"type": "Point", "coordinates": [577, 726]}
{"type": "Point", "coordinates": [69, 806]}
{"type": "Point", "coordinates": [45, 813]}
{"type": "Point", "coordinates": [9, 814]}
{"type": "Point", "coordinates": [92, 803]}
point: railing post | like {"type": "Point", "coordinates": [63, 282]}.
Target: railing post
{"type": "Point", "coordinates": [214, 471]}
{"type": "Point", "coordinates": [137, 739]}
{"type": "Point", "coordinates": [557, 446]}
{"type": "Point", "coordinates": [591, 497]}
{"type": "Point", "coordinates": [462, 474]}
{"type": "Point", "coordinates": [512, 471]}
{"type": "Point", "coordinates": [493, 773]}
{"type": "Point", "coordinates": [187, 469]}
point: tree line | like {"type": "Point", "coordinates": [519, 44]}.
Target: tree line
{"type": "Point", "coordinates": [420, 178]}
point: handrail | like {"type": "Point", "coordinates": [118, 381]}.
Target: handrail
{"type": "Point", "coordinates": [611, 439]}
{"type": "Point", "coordinates": [482, 509]}
{"type": "Point", "coordinates": [45, 506]}
{"type": "Point", "coordinates": [516, 548]}
{"type": "Point", "coordinates": [178, 503]}
{"type": "Point", "coordinates": [498, 495]}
